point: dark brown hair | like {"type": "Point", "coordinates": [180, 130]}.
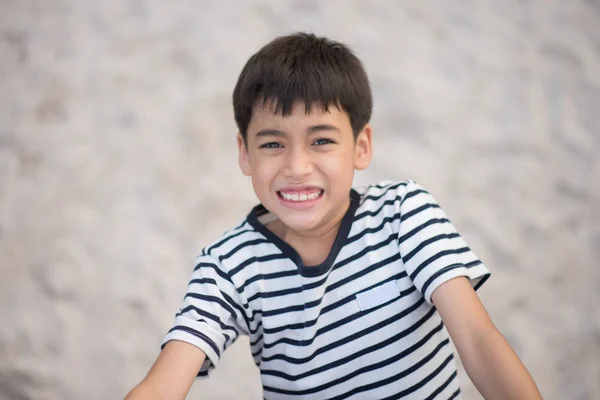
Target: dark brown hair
{"type": "Point", "coordinates": [303, 67]}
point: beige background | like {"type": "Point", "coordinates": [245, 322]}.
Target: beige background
{"type": "Point", "coordinates": [117, 164]}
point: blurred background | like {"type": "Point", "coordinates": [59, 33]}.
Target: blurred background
{"type": "Point", "coordinates": [118, 164]}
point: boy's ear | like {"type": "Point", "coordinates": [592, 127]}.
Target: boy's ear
{"type": "Point", "coordinates": [363, 148]}
{"type": "Point", "coordinates": [243, 157]}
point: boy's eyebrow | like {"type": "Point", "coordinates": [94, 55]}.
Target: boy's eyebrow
{"type": "Point", "coordinates": [269, 132]}
{"type": "Point", "coordinates": [312, 129]}
{"type": "Point", "coordinates": [323, 127]}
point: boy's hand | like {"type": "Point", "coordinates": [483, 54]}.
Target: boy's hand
{"type": "Point", "coordinates": [490, 362]}
{"type": "Point", "coordinates": [172, 374]}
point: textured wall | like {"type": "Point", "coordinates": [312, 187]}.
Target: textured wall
{"type": "Point", "coordinates": [117, 164]}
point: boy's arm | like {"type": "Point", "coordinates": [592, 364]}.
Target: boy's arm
{"type": "Point", "coordinates": [172, 374]}
{"type": "Point", "coordinates": [490, 362]}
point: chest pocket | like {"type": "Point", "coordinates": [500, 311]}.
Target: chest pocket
{"type": "Point", "coordinates": [378, 295]}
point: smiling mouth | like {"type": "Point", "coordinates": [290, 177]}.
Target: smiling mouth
{"type": "Point", "coordinates": [299, 197]}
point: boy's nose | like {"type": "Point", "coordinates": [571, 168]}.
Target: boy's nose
{"type": "Point", "coordinates": [298, 165]}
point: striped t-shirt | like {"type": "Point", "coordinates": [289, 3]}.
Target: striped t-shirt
{"type": "Point", "coordinates": [360, 325]}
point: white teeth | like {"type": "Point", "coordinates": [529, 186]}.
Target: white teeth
{"type": "Point", "coordinates": [301, 197]}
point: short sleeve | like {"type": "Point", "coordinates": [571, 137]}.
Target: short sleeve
{"type": "Point", "coordinates": [211, 316]}
{"type": "Point", "coordinates": [432, 250]}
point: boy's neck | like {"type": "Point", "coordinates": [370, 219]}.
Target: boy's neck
{"type": "Point", "coordinates": [312, 246]}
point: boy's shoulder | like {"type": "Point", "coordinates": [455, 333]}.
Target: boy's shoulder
{"type": "Point", "coordinates": [230, 243]}
{"type": "Point", "coordinates": [390, 189]}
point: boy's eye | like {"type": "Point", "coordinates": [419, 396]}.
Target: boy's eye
{"type": "Point", "coordinates": [270, 145]}
{"type": "Point", "coordinates": [321, 142]}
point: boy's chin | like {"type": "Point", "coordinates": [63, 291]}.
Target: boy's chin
{"type": "Point", "coordinates": [300, 224]}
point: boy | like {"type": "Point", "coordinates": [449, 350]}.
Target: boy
{"type": "Point", "coordinates": [344, 293]}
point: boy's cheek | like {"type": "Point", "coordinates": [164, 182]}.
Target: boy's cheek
{"type": "Point", "coordinates": [265, 171]}
{"type": "Point", "coordinates": [339, 165]}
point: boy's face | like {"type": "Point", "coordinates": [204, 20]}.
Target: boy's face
{"type": "Point", "coordinates": [302, 165]}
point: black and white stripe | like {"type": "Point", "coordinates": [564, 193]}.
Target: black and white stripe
{"type": "Point", "coordinates": [360, 325]}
